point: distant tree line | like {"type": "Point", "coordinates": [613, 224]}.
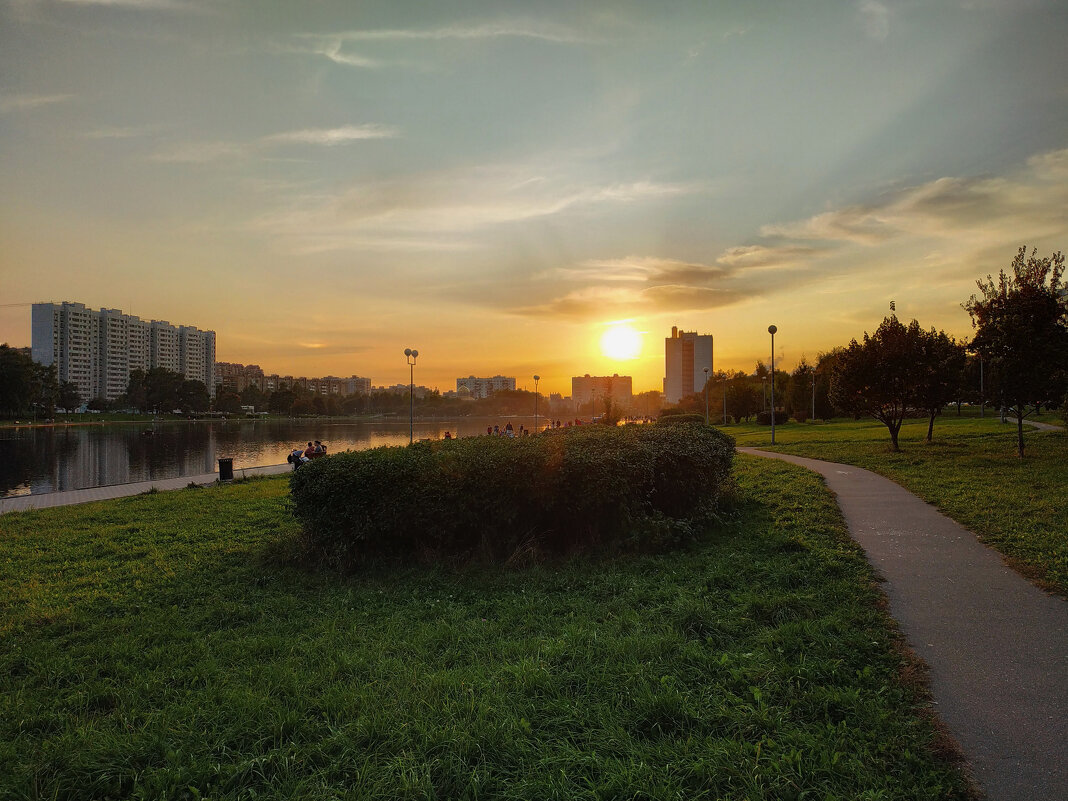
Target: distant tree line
{"type": "Point", "coordinates": [1017, 360]}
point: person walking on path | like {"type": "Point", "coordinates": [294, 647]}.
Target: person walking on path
{"type": "Point", "coordinates": [997, 646]}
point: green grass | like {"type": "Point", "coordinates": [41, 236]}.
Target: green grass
{"type": "Point", "coordinates": [970, 471]}
{"type": "Point", "coordinates": [163, 647]}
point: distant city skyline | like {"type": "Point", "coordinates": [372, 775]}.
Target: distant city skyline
{"type": "Point", "coordinates": [503, 185]}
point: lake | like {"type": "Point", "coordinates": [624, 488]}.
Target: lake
{"type": "Point", "coordinates": [55, 459]}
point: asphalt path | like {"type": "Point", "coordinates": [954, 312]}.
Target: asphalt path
{"type": "Point", "coordinates": [45, 500]}
{"type": "Point", "coordinates": [997, 646]}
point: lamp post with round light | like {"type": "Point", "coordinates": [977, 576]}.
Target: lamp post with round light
{"type": "Point", "coordinates": [706, 396]}
{"type": "Point", "coordinates": [411, 356]}
{"type": "Point", "coordinates": [771, 330]}
{"type": "Point", "coordinates": [537, 378]}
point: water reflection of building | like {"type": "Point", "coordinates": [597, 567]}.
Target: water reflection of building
{"type": "Point", "coordinates": [90, 458]}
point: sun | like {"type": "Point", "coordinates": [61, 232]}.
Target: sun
{"type": "Point", "coordinates": [621, 342]}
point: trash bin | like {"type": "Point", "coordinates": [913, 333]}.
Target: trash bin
{"type": "Point", "coordinates": [226, 470]}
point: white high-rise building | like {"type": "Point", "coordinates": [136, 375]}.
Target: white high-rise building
{"type": "Point", "coordinates": [97, 350]}
{"type": "Point", "coordinates": [164, 348]}
{"type": "Point", "coordinates": [67, 335]}
{"type": "Point", "coordinates": [686, 355]}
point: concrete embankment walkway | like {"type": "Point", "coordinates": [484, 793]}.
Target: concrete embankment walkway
{"type": "Point", "coordinates": [50, 499]}
{"type": "Point", "coordinates": [997, 645]}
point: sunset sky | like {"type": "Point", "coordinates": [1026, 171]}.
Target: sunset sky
{"type": "Point", "coordinates": [327, 183]}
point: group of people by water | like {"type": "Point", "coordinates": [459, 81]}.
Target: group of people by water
{"type": "Point", "coordinates": [511, 432]}
{"type": "Point", "coordinates": [301, 455]}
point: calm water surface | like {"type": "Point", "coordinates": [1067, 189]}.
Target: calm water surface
{"type": "Point", "coordinates": [39, 460]}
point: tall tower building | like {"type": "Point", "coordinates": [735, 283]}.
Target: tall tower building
{"type": "Point", "coordinates": [686, 355]}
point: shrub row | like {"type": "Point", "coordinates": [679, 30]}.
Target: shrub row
{"type": "Point", "coordinates": [764, 418]}
{"type": "Point", "coordinates": [492, 498]}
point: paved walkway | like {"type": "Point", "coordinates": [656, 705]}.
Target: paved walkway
{"type": "Point", "coordinates": [49, 499]}
{"type": "Point", "coordinates": [997, 646]}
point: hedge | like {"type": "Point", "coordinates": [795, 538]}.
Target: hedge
{"type": "Point", "coordinates": [570, 489]}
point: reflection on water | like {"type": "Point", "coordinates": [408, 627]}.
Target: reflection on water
{"type": "Point", "coordinates": [39, 460]}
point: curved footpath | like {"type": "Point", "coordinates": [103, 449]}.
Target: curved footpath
{"type": "Point", "coordinates": [997, 646]}
{"type": "Point", "coordinates": [46, 500]}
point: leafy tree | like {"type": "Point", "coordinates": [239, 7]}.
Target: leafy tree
{"type": "Point", "coordinates": [825, 410]}
{"type": "Point", "coordinates": [801, 390]}
{"type": "Point", "coordinates": [16, 381]}
{"type": "Point", "coordinates": [941, 373]}
{"type": "Point", "coordinates": [253, 396]}
{"type": "Point", "coordinates": [879, 377]}
{"type": "Point", "coordinates": [281, 400]}
{"type": "Point", "coordinates": [68, 397]}
{"type": "Point", "coordinates": [302, 406]}
{"type": "Point", "coordinates": [743, 396]}
{"type": "Point", "coordinates": [1021, 323]}
{"type": "Point", "coordinates": [228, 402]}
{"type": "Point", "coordinates": [193, 396]}
{"type": "Point", "coordinates": [136, 391]}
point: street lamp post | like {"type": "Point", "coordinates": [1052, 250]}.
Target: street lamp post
{"type": "Point", "coordinates": [411, 356]}
{"type": "Point", "coordinates": [982, 398]}
{"type": "Point", "coordinates": [706, 396]}
{"type": "Point", "coordinates": [771, 330]}
{"type": "Point", "coordinates": [813, 396]}
{"type": "Point", "coordinates": [537, 378]}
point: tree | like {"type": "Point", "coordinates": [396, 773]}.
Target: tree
{"type": "Point", "coordinates": [743, 396]}
{"type": "Point", "coordinates": [880, 376]}
{"type": "Point", "coordinates": [281, 400]}
{"type": "Point", "coordinates": [1021, 323]}
{"type": "Point", "coordinates": [228, 403]}
{"type": "Point", "coordinates": [16, 381]}
{"type": "Point", "coordinates": [941, 373]}
{"type": "Point", "coordinates": [136, 392]}
{"type": "Point", "coordinates": [68, 397]}
{"type": "Point", "coordinates": [801, 390]}
{"type": "Point", "coordinates": [193, 396]}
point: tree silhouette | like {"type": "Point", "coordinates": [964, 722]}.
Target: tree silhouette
{"type": "Point", "coordinates": [1022, 333]}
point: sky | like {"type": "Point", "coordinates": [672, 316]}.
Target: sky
{"type": "Point", "coordinates": [496, 184]}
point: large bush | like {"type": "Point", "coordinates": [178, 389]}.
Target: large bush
{"type": "Point", "coordinates": [493, 497]}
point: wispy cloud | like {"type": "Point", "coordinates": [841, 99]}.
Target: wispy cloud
{"type": "Point", "coordinates": [337, 46]}
{"type": "Point", "coordinates": [521, 29]}
{"type": "Point", "coordinates": [146, 5]}
{"type": "Point", "coordinates": [203, 152]}
{"type": "Point", "coordinates": [10, 103]}
{"type": "Point", "coordinates": [452, 207]}
{"type": "Point", "coordinates": [1030, 202]}
{"type": "Point", "coordinates": [122, 132]}
{"type": "Point", "coordinates": [331, 136]}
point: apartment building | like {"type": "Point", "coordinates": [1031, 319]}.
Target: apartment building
{"type": "Point", "coordinates": [686, 355]}
{"type": "Point", "coordinates": [97, 350]}
{"type": "Point", "coordinates": [235, 377]}
{"type": "Point", "coordinates": [484, 387]}
{"type": "Point", "coordinates": [596, 387]}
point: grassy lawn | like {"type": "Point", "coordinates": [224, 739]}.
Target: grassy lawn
{"type": "Point", "coordinates": [161, 646]}
{"type": "Point", "coordinates": [970, 471]}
